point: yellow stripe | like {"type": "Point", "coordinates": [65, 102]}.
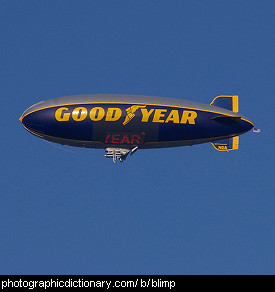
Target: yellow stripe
{"type": "Point", "coordinates": [172, 106]}
{"type": "Point", "coordinates": [221, 96]}
{"type": "Point", "coordinates": [216, 147]}
{"type": "Point", "coordinates": [216, 98]}
{"type": "Point", "coordinates": [235, 103]}
{"type": "Point", "coordinates": [120, 103]}
{"type": "Point", "coordinates": [235, 143]}
{"type": "Point", "coordinates": [161, 105]}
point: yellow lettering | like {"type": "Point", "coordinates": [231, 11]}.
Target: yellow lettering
{"type": "Point", "coordinates": [159, 113]}
{"type": "Point", "coordinates": [188, 116]}
{"type": "Point", "coordinates": [60, 116]}
{"type": "Point", "coordinates": [79, 114]}
{"type": "Point", "coordinates": [97, 114]}
{"type": "Point", "coordinates": [146, 114]}
{"type": "Point", "coordinates": [173, 116]}
{"type": "Point", "coordinates": [113, 114]}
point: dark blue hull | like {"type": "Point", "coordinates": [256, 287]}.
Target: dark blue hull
{"type": "Point", "coordinates": [126, 125]}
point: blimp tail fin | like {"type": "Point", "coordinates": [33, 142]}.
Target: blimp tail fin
{"type": "Point", "coordinates": [226, 144]}
{"type": "Point", "coordinates": [230, 102]}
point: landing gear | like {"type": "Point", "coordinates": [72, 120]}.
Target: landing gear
{"type": "Point", "coordinates": [119, 153]}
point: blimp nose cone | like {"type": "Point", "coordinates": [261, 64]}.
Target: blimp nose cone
{"type": "Point", "coordinates": [33, 117]}
{"type": "Point", "coordinates": [33, 123]}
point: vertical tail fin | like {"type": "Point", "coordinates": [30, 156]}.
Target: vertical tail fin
{"type": "Point", "coordinates": [226, 144]}
{"type": "Point", "coordinates": [230, 102]}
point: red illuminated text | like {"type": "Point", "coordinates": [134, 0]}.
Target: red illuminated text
{"type": "Point", "coordinates": [126, 139]}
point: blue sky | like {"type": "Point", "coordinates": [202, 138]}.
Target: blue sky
{"type": "Point", "coordinates": [189, 210]}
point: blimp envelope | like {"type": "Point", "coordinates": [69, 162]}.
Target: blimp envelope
{"type": "Point", "coordinates": [121, 124]}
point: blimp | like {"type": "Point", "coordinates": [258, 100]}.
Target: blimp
{"type": "Point", "coordinates": [122, 124]}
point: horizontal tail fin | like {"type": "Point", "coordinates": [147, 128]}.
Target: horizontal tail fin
{"type": "Point", "coordinates": [230, 102]}
{"type": "Point", "coordinates": [226, 144]}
